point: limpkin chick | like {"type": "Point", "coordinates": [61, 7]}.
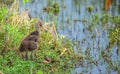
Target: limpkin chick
{"type": "Point", "coordinates": [29, 43]}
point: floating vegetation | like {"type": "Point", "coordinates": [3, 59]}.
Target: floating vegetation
{"type": "Point", "coordinates": [114, 34]}
{"type": "Point", "coordinates": [114, 31]}
{"type": "Point", "coordinates": [115, 20]}
{"type": "Point", "coordinates": [105, 18]}
{"type": "Point", "coordinates": [90, 8]}
{"type": "Point", "coordinates": [53, 8]}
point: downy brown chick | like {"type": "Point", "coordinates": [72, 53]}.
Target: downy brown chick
{"type": "Point", "coordinates": [29, 43]}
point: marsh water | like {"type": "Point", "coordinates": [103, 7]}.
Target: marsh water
{"type": "Point", "coordinates": [89, 40]}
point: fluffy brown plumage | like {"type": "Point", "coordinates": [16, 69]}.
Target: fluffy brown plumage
{"type": "Point", "coordinates": [29, 43]}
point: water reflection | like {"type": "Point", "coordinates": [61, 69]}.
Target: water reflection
{"type": "Point", "coordinates": [91, 41]}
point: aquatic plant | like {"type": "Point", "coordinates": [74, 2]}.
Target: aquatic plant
{"type": "Point", "coordinates": [114, 30]}
{"type": "Point", "coordinates": [90, 8]}
{"type": "Point", "coordinates": [52, 8]}
{"type": "Point", "coordinates": [105, 18]}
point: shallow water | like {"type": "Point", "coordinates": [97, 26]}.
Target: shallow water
{"type": "Point", "coordinates": [87, 37]}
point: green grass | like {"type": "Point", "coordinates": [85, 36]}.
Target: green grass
{"type": "Point", "coordinates": [53, 48]}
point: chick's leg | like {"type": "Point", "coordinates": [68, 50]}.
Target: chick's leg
{"type": "Point", "coordinates": [26, 56]}
{"type": "Point", "coordinates": [31, 55]}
